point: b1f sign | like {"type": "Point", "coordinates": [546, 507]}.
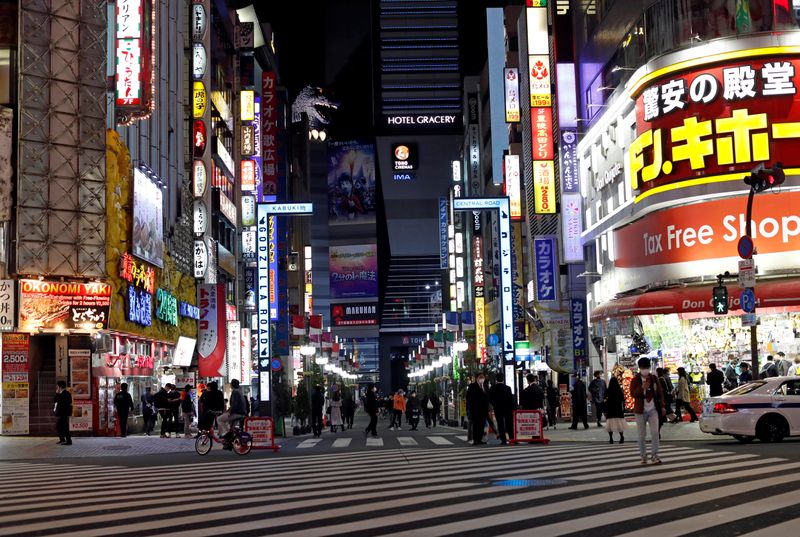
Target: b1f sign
{"type": "Point", "coordinates": [546, 269]}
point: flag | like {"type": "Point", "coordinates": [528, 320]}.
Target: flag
{"type": "Point", "coordinates": [335, 348]}
{"type": "Point", "coordinates": [467, 320]}
{"type": "Point", "coordinates": [298, 325]}
{"type": "Point", "coordinates": [327, 341]}
{"type": "Point", "coordinates": [430, 344]}
{"type": "Point", "coordinates": [438, 340]}
{"type": "Point", "coordinates": [315, 325]}
{"type": "Point", "coordinates": [451, 321]}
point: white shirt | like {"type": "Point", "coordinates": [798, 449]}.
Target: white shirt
{"type": "Point", "coordinates": [794, 370]}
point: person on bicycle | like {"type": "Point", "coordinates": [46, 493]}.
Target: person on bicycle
{"type": "Point", "coordinates": [212, 404]}
{"type": "Point", "coordinates": [236, 411]}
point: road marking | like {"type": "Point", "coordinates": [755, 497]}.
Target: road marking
{"type": "Point", "coordinates": [464, 438]}
{"type": "Point", "coordinates": [309, 443]}
{"type": "Point", "coordinates": [440, 440]}
{"type": "Point", "coordinates": [406, 441]}
{"type": "Point", "coordinates": [342, 442]}
{"type": "Point", "coordinates": [374, 442]}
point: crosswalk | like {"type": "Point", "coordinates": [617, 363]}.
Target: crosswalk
{"type": "Point", "coordinates": [360, 442]}
{"type": "Point", "coordinates": [558, 490]}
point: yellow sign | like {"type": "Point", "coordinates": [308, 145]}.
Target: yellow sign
{"type": "Point", "coordinates": [544, 187]}
{"type": "Point", "coordinates": [480, 328]}
{"type": "Point", "coordinates": [199, 100]}
{"type": "Point", "coordinates": [247, 99]}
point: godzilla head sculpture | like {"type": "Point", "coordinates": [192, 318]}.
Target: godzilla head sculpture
{"type": "Point", "coordinates": [316, 106]}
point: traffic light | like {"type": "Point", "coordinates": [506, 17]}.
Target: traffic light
{"type": "Point", "coordinates": [720, 300]}
{"type": "Point", "coordinates": [762, 179]}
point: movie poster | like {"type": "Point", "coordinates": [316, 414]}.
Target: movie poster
{"type": "Point", "coordinates": [354, 271]}
{"type": "Point", "coordinates": [351, 183]}
{"type": "Point", "coordinates": [148, 220]}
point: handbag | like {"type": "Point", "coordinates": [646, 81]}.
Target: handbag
{"type": "Point", "coordinates": [429, 405]}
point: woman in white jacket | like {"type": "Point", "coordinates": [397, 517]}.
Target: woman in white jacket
{"type": "Point", "coordinates": [336, 412]}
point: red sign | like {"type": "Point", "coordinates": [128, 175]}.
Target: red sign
{"type": "Point", "coordinates": [63, 305]}
{"type": "Point", "coordinates": [529, 426]}
{"type": "Point", "coordinates": [123, 365]}
{"type": "Point", "coordinates": [200, 138]}
{"type": "Point", "coordinates": [542, 133]}
{"type": "Point", "coordinates": [716, 122]}
{"type": "Point", "coordinates": [262, 429]}
{"type": "Point", "coordinates": [709, 230]}
{"type": "Point", "coordinates": [269, 135]}
{"type": "Point", "coordinates": [211, 342]}
{"type": "Point", "coordinates": [16, 348]}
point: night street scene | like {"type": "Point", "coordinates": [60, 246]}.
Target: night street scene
{"type": "Point", "coordinates": [400, 268]}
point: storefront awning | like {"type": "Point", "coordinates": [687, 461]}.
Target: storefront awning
{"type": "Point", "coordinates": [769, 295]}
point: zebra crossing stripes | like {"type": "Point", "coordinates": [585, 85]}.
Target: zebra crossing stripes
{"type": "Point", "coordinates": [449, 490]}
{"type": "Point", "coordinates": [407, 441]}
{"type": "Point", "coordinates": [341, 442]}
{"type": "Point", "coordinates": [374, 442]}
{"type": "Point", "coordinates": [440, 441]}
{"type": "Point", "coordinates": [309, 443]}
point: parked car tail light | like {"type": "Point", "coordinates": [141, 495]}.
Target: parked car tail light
{"type": "Point", "coordinates": [724, 408]}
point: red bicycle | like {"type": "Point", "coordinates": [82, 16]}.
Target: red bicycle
{"type": "Point", "coordinates": [241, 442]}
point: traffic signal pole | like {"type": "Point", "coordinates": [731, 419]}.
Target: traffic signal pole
{"type": "Point", "coordinates": [754, 328]}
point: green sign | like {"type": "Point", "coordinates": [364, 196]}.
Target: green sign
{"type": "Point", "coordinates": [167, 307]}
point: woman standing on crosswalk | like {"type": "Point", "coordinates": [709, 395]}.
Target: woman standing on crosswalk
{"type": "Point", "coordinates": [336, 412]}
{"type": "Point", "coordinates": [615, 411]}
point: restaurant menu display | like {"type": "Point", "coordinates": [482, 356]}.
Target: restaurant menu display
{"type": "Point", "coordinates": [63, 305]}
{"type": "Point", "coordinates": [14, 402]}
{"type": "Point", "coordinates": [80, 361]}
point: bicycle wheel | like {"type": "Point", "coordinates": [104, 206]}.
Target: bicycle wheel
{"type": "Point", "coordinates": [203, 444]}
{"type": "Point", "coordinates": [242, 443]}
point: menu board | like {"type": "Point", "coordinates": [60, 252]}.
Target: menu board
{"type": "Point", "coordinates": [81, 419]}
{"type": "Point", "coordinates": [15, 398]}
{"type": "Point", "coordinates": [80, 361]}
{"type": "Point", "coordinates": [63, 305]}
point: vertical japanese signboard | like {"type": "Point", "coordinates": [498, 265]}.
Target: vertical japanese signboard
{"type": "Point", "coordinates": [443, 247]}
{"type": "Point", "coordinates": [513, 187]}
{"type": "Point", "coordinates": [512, 94]}
{"type": "Point", "coordinates": [16, 387]}
{"type": "Point", "coordinates": [568, 161]}
{"type": "Point", "coordinates": [211, 342]}
{"type": "Point", "coordinates": [198, 26]}
{"type": "Point", "coordinates": [7, 300]}
{"type": "Point", "coordinates": [134, 59]}
{"type": "Point", "coordinates": [571, 228]}
{"type": "Point", "coordinates": [546, 269]}
{"type": "Point", "coordinates": [579, 332]}
{"type": "Point", "coordinates": [268, 188]}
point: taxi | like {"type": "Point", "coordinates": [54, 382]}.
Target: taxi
{"type": "Point", "coordinates": [767, 409]}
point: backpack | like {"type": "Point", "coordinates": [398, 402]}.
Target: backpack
{"type": "Point", "coordinates": [119, 400]}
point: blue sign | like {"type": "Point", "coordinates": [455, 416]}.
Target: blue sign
{"type": "Point", "coordinates": [577, 321]}
{"type": "Point", "coordinates": [189, 311]}
{"type": "Point", "coordinates": [492, 340]}
{"type": "Point", "coordinates": [140, 306]}
{"type": "Point", "coordinates": [289, 208]}
{"type": "Point", "coordinates": [546, 269]}
{"type": "Point", "coordinates": [276, 364]}
{"type": "Point", "coordinates": [745, 247]}
{"type": "Point", "coordinates": [748, 300]}
{"type": "Point", "coordinates": [443, 233]}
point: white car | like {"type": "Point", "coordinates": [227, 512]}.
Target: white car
{"type": "Point", "coordinates": [767, 409]}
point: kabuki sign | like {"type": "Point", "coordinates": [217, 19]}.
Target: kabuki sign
{"type": "Point", "coordinates": [134, 59]}
{"type": "Point", "coordinates": [715, 124]}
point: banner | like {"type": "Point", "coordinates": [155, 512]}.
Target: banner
{"type": "Point", "coordinates": [233, 353]}
{"type": "Point", "coordinates": [314, 325]}
{"type": "Point", "coordinates": [546, 269]}
{"type": "Point", "coordinates": [354, 271]}
{"type": "Point", "coordinates": [16, 387]}
{"type": "Point", "coordinates": [579, 332]}
{"type": "Point", "coordinates": [354, 314]}
{"type": "Point", "coordinates": [211, 342]}
{"type": "Point", "coordinates": [351, 183]}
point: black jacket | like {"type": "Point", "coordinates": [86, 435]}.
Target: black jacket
{"type": "Point", "coordinates": [477, 400]}
{"type": "Point", "coordinates": [123, 402]}
{"type": "Point", "coordinates": [532, 397]}
{"type": "Point", "coordinates": [237, 403]}
{"type": "Point", "coordinates": [552, 396]}
{"type": "Point", "coordinates": [63, 402]}
{"type": "Point", "coordinates": [579, 393]}
{"type": "Point", "coordinates": [161, 398]}
{"type": "Point", "coordinates": [187, 406]}
{"type": "Point", "coordinates": [615, 400]}
{"type": "Point", "coordinates": [370, 403]}
{"type": "Point", "coordinates": [501, 398]}
{"type": "Point", "coordinates": [317, 402]}
{"type": "Point", "coordinates": [715, 379]}
{"type": "Point", "coordinates": [212, 401]}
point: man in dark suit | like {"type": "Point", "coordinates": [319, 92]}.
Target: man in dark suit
{"type": "Point", "coordinates": [317, 404]}
{"type": "Point", "coordinates": [502, 401]}
{"type": "Point", "coordinates": [532, 397]}
{"type": "Point", "coordinates": [478, 407]}
{"type": "Point", "coordinates": [63, 410]}
{"type": "Point", "coordinates": [124, 405]}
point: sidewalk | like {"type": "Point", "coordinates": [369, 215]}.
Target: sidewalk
{"type": "Point", "coordinates": [26, 447]}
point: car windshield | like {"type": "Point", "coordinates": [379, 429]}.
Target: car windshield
{"type": "Point", "coordinates": [747, 388]}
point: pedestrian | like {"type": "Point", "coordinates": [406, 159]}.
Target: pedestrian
{"type": "Point", "coordinates": [348, 411]}
{"type": "Point", "coordinates": [478, 407]}
{"type": "Point", "coordinates": [162, 407]}
{"type": "Point", "coordinates": [317, 404]}
{"type": "Point", "coordinates": [63, 410]}
{"type": "Point", "coordinates": [615, 411]}
{"type": "Point", "coordinates": [237, 409]}
{"type": "Point", "coordinates": [148, 410]}
{"type": "Point", "coordinates": [782, 364]}
{"type": "Point", "coordinates": [398, 409]}
{"type": "Point", "coordinates": [746, 375]}
{"type": "Point", "coordinates": [682, 397]}
{"type": "Point", "coordinates": [426, 406]}
{"type": "Point", "coordinates": [579, 404]}
{"type": "Point", "coordinates": [212, 404]}
{"type": "Point", "coordinates": [413, 410]}
{"type": "Point", "coordinates": [174, 402]}
{"type": "Point", "coordinates": [532, 397]}
{"type": "Point", "coordinates": [666, 389]}
{"type": "Point", "coordinates": [731, 379]}
{"type": "Point", "coordinates": [335, 407]}
{"type": "Point", "coordinates": [437, 404]}
{"type": "Point", "coordinates": [795, 369]}
{"type": "Point", "coordinates": [371, 408]}
{"type": "Point", "coordinates": [187, 410]}
{"type": "Point", "coordinates": [715, 379]}
{"type": "Point", "coordinates": [769, 369]}
{"type": "Point", "coordinates": [124, 405]}
{"type": "Point", "coordinates": [648, 405]}
{"type": "Point", "coordinates": [552, 403]}
{"type": "Point", "coordinates": [598, 390]}
{"type": "Point", "coordinates": [502, 401]}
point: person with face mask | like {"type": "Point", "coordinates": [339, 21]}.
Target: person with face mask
{"type": "Point", "coordinates": [478, 406]}
{"type": "Point", "coordinates": [648, 407]}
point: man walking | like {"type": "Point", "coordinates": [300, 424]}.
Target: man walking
{"type": "Point", "coordinates": [769, 369]}
{"type": "Point", "coordinates": [598, 390]}
{"type": "Point", "coordinates": [714, 379]}
{"type": "Point", "coordinates": [148, 410]}
{"type": "Point", "coordinates": [63, 409]}
{"type": "Point", "coordinates": [123, 404]}
{"type": "Point", "coordinates": [398, 409]}
{"type": "Point", "coordinates": [478, 406]}
{"type": "Point", "coordinates": [174, 408]}
{"type": "Point", "coordinates": [579, 404]}
{"type": "Point", "coordinates": [317, 402]}
{"type": "Point", "coordinates": [782, 364]}
{"type": "Point", "coordinates": [746, 375]}
{"type": "Point", "coordinates": [553, 403]}
{"type": "Point", "coordinates": [502, 401]}
{"type": "Point", "coordinates": [648, 407]}
{"type": "Point", "coordinates": [532, 397]}
{"type": "Point", "coordinates": [162, 406]}
{"type": "Point", "coordinates": [371, 408]}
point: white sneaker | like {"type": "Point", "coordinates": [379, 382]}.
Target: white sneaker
{"type": "Point", "coordinates": [391, 428]}
{"type": "Point", "coordinates": [644, 460]}
{"type": "Point", "coordinates": [655, 459]}
{"type": "Point", "coordinates": [399, 428]}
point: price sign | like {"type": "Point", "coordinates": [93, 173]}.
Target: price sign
{"type": "Point", "coordinates": [747, 273]}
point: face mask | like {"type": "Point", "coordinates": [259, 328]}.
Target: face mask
{"type": "Point", "coordinates": [644, 372]}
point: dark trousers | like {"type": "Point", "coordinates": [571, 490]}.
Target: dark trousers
{"type": "Point", "coordinates": [599, 410]}
{"type": "Point", "coordinates": [62, 428]}
{"type": "Point", "coordinates": [505, 425]}
{"type": "Point", "coordinates": [551, 414]}
{"type": "Point", "coordinates": [579, 413]}
{"type": "Point", "coordinates": [166, 422]}
{"type": "Point", "coordinates": [149, 422]}
{"type": "Point", "coordinates": [434, 417]}
{"type": "Point", "coordinates": [426, 414]}
{"type": "Point", "coordinates": [478, 426]}
{"type": "Point", "coordinates": [316, 423]}
{"type": "Point", "coordinates": [123, 423]}
{"type": "Point", "coordinates": [373, 425]}
{"type": "Point", "coordinates": [397, 418]}
{"type": "Point", "coordinates": [348, 420]}
{"type": "Point", "coordinates": [685, 405]}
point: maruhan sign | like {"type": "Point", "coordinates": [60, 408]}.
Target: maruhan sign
{"type": "Point", "coordinates": [422, 120]}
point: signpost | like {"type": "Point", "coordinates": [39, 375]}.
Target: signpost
{"type": "Point", "coordinates": [528, 427]}
{"type": "Point", "coordinates": [747, 273]}
{"type": "Point", "coordinates": [262, 429]}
